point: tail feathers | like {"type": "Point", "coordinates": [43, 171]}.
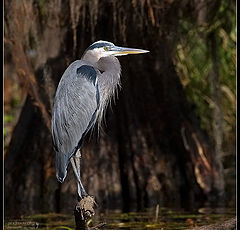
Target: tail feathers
{"type": "Point", "coordinates": [61, 164]}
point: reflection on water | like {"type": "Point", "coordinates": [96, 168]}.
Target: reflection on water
{"type": "Point", "coordinates": [158, 218]}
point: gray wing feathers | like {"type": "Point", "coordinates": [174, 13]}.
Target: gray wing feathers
{"type": "Point", "coordinates": [74, 107]}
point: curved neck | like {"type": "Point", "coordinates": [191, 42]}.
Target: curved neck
{"type": "Point", "coordinates": [110, 69]}
{"type": "Point", "coordinates": [104, 64]}
{"type": "Point", "coordinates": [108, 80]}
{"type": "Point", "coordinates": [110, 77]}
{"type": "Point", "coordinates": [109, 64]}
{"type": "Point", "coordinates": [90, 57]}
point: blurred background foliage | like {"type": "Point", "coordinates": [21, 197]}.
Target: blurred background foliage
{"type": "Point", "coordinates": [13, 96]}
{"type": "Point", "coordinates": [194, 62]}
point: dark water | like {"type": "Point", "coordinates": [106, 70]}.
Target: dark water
{"type": "Point", "coordinates": [157, 218]}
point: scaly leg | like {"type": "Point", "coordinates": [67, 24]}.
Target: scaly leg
{"type": "Point", "coordinates": [84, 208]}
{"type": "Point", "coordinates": [75, 161]}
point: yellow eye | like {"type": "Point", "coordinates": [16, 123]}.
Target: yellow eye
{"type": "Point", "coordinates": [105, 48]}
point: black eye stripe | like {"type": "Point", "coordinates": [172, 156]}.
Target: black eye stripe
{"type": "Point", "coordinates": [99, 45]}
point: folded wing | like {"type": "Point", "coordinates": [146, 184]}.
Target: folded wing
{"type": "Point", "coordinates": [74, 112]}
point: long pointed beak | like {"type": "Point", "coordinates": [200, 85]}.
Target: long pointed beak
{"type": "Point", "coordinates": [119, 51]}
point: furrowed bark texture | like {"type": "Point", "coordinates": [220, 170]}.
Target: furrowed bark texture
{"type": "Point", "coordinates": [152, 149]}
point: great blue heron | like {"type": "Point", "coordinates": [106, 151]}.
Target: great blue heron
{"type": "Point", "coordinates": [82, 95]}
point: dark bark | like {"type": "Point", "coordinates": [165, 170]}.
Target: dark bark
{"type": "Point", "coordinates": [152, 150]}
{"type": "Point", "coordinates": [217, 115]}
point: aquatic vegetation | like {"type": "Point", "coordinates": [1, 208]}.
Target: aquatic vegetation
{"type": "Point", "coordinates": [167, 219]}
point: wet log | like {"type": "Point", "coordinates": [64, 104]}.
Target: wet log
{"type": "Point", "coordinates": [226, 225]}
{"type": "Point", "coordinates": [83, 213]}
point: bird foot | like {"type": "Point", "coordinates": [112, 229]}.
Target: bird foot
{"type": "Point", "coordinates": [85, 207]}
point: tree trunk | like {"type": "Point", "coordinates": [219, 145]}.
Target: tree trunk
{"type": "Point", "coordinates": [152, 150]}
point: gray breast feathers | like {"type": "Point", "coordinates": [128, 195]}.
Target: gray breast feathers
{"type": "Point", "coordinates": [74, 112]}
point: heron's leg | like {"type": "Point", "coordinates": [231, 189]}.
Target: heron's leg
{"type": "Point", "coordinates": [77, 177]}
{"type": "Point", "coordinates": [77, 161]}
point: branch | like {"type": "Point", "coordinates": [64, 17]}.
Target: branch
{"type": "Point", "coordinates": [226, 225]}
{"type": "Point", "coordinates": [83, 212]}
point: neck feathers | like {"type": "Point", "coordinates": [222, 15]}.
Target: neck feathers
{"type": "Point", "coordinates": [108, 82]}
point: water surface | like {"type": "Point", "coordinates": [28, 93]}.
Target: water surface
{"type": "Point", "coordinates": [157, 218]}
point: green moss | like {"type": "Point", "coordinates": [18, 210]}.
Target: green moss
{"type": "Point", "coordinates": [8, 118]}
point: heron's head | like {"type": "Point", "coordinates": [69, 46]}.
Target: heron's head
{"type": "Point", "coordinates": [101, 49]}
